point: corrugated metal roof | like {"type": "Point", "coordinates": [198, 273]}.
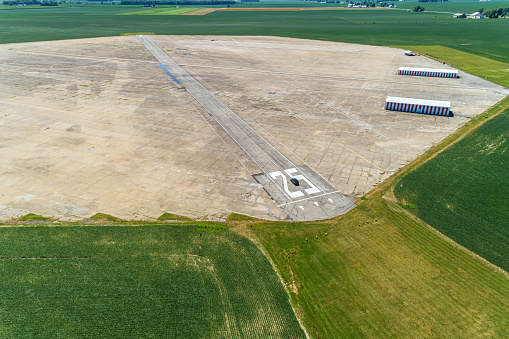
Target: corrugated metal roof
{"type": "Point", "coordinates": [428, 70]}
{"type": "Point", "coordinates": [419, 102]}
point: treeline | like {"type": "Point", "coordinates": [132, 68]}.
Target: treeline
{"type": "Point", "coordinates": [179, 2]}
{"type": "Point", "coordinates": [364, 3]}
{"type": "Point", "coordinates": [496, 13]}
{"type": "Point", "coordinates": [30, 2]}
{"type": "Point", "coordinates": [433, 0]}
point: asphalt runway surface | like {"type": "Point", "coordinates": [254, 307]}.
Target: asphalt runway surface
{"type": "Point", "coordinates": [313, 199]}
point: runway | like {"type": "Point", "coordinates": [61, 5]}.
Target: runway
{"type": "Point", "coordinates": [313, 199]}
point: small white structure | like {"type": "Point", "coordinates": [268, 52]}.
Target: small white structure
{"type": "Point", "coordinates": [432, 107]}
{"type": "Point", "coordinates": [458, 15]}
{"type": "Point", "coordinates": [409, 53]}
{"type": "Point", "coordinates": [429, 72]}
{"type": "Point", "coordinates": [476, 15]}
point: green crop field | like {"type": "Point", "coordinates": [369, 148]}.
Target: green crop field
{"type": "Point", "coordinates": [138, 281]}
{"type": "Point", "coordinates": [464, 191]}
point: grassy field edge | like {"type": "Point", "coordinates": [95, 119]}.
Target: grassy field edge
{"type": "Point", "coordinates": [383, 195]}
{"type": "Point", "coordinates": [386, 188]}
{"type": "Point", "coordinates": [447, 142]}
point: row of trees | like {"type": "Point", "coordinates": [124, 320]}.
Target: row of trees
{"type": "Point", "coordinates": [363, 3]}
{"type": "Point", "coordinates": [30, 2]}
{"type": "Point", "coordinates": [179, 2]}
{"type": "Point", "coordinates": [366, 3]}
{"type": "Point", "coordinates": [496, 13]}
{"type": "Point", "coordinates": [433, 0]}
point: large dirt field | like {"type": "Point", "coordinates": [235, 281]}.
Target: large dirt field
{"type": "Point", "coordinates": [94, 125]}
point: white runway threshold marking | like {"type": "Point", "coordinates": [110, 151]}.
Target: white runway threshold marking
{"type": "Point", "coordinates": [320, 200]}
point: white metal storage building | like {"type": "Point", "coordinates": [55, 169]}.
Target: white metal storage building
{"type": "Point", "coordinates": [418, 106]}
{"type": "Point", "coordinates": [429, 72]}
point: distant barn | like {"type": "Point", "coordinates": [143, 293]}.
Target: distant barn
{"type": "Point", "coordinates": [429, 72]}
{"type": "Point", "coordinates": [433, 107]}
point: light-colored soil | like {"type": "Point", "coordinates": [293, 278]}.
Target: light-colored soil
{"type": "Point", "coordinates": [94, 125]}
{"type": "Point", "coordinates": [202, 11]}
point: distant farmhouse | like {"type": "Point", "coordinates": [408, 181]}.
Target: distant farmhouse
{"type": "Point", "coordinates": [476, 15]}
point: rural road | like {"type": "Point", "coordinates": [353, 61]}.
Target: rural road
{"type": "Point", "coordinates": [313, 199]}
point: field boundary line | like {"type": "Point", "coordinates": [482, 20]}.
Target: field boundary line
{"type": "Point", "coordinates": [247, 232]}
{"type": "Point", "coordinates": [386, 188]}
{"type": "Point", "coordinates": [393, 200]}
{"type": "Point", "coordinates": [449, 141]}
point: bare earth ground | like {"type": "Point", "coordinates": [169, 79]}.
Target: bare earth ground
{"type": "Point", "coordinates": [202, 11]}
{"type": "Point", "coordinates": [94, 125]}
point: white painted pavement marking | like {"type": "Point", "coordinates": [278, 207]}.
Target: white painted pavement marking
{"type": "Point", "coordinates": [291, 172]}
{"type": "Point", "coordinates": [265, 155]}
{"type": "Point", "coordinates": [313, 197]}
{"type": "Point", "coordinates": [292, 195]}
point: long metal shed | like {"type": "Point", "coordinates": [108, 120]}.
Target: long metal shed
{"type": "Point", "coordinates": [433, 107]}
{"type": "Point", "coordinates": [429, 72]}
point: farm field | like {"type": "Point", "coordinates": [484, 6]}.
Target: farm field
{"type": "Point", "coordinates": [464, 191]}
{"type": "Point", "coordinates": [450, 7]}
{"type": "Point", "coordinates": [162, 11]}
{"type": "Point", "coordinates": [378, 271]}
{"type": "Point", "coordinates": [139, 281]}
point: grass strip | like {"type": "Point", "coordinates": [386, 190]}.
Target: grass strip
{"type": "Point", "coordinates": [493, 70]}
{"type": "Point", "coordinates": [464, 192]}
{"type": "Point", "coordinates": [104, 217]}
{"type": "Point", "coordinates": [174, 217]}
{"type": "Point", "coordinates": [162, 11]}
{"type": "Point", "coordinates": [33, 217]}
{"type": "Point", "coordinates": [459, 134]}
